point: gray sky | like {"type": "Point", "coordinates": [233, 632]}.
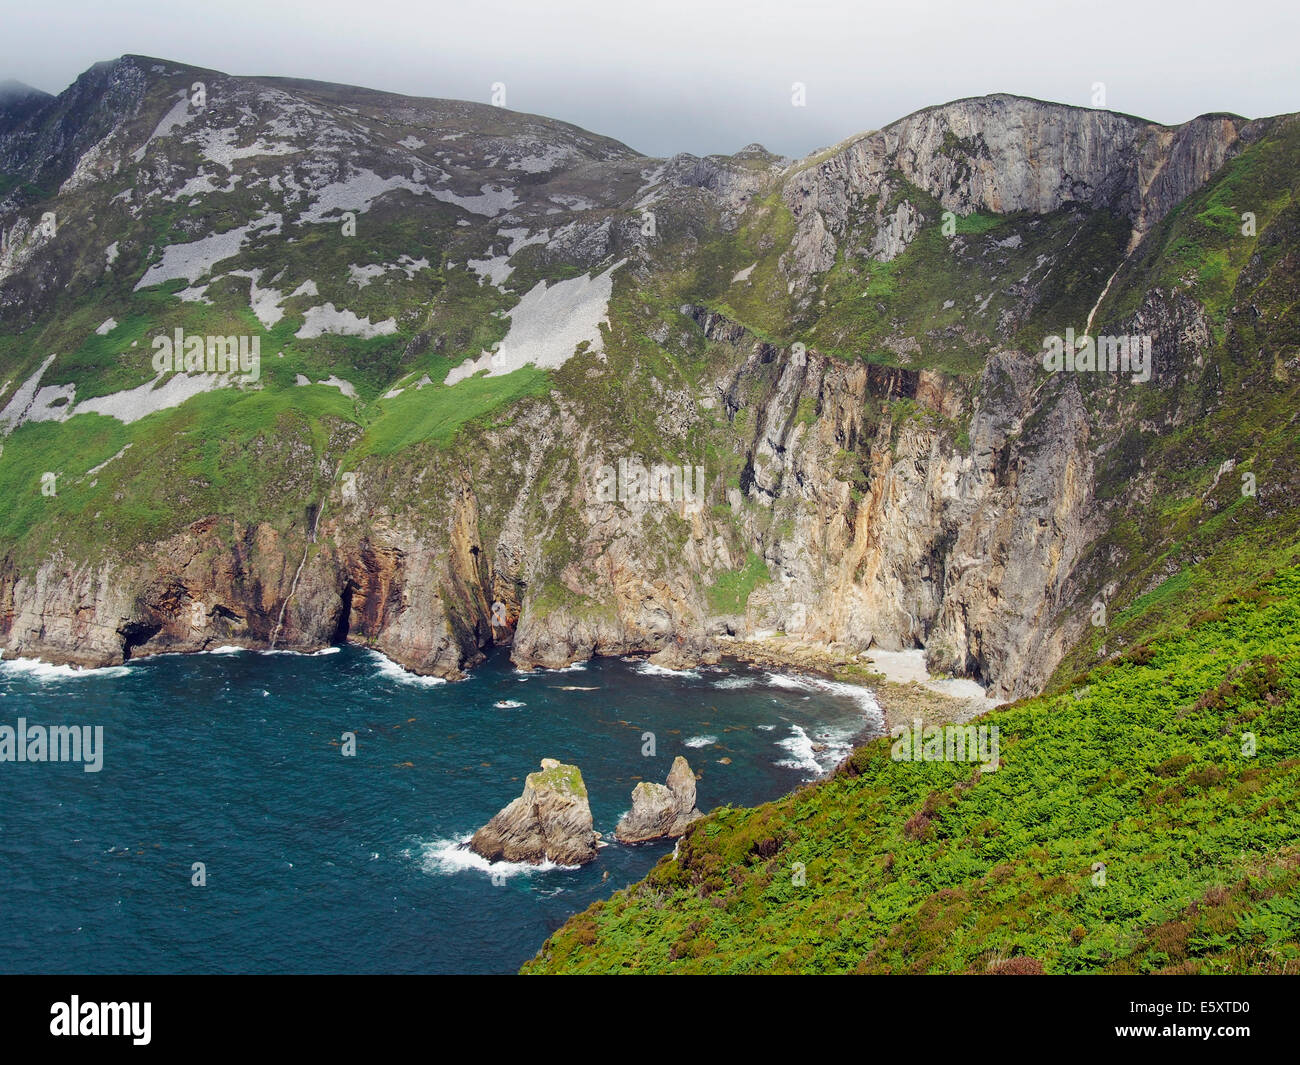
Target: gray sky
{"type": "Point", "coordinates": [704, 75]}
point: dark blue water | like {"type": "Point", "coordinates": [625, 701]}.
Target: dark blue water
{"type": "Point", "coordinates": [320, 863]}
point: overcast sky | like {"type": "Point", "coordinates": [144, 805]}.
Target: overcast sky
{"type": "Point", "coordinates": [704, 75]}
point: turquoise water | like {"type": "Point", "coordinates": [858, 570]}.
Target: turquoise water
{"type": "Point", "coordinates": [320, 863]}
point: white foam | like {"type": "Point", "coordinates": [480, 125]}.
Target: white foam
{"type": "Point", "coordinates": [735, 682]}
{"type": "Point", "coordinates": [46, 672]}
{"type": "Point", "coordinates": [390, 670]}
{"type": "Point", "coordinates": [508, 704]}
{"type": "Point", "coordinates": [804, 754]}
{"type": "Point", "coordinates": [800, 746]}
{"type": "Point", "coordinates": [651, 669]}
{"type": "Point", "coordinates": [864, 697]}
{"type": "Point", "coordinates": [446, 857]}
{"type": "Point", "coordinates": [701, 741]}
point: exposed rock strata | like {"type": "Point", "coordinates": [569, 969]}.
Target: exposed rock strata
{"type": "Point", "coordinates": [873, 528]}
{"type": "Point", "coordinates": [550, 821]}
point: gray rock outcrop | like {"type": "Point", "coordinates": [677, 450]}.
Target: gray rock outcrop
{"type": "Point", "coordinates": [1002, 153]}
{"type": "Point", "coordinates": [550, 821]}
{"type": "Point", "coordinates": [661, 811]}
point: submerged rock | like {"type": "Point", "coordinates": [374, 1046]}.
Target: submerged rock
{"type": "Point", "coordinates": [661, 811]}
{"type": "Point", "coordinates": [550, 821]}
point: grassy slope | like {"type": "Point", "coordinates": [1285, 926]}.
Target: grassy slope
{"type": "Point", "coordinates": [926, 867]}
{"type": "Point", "coordinates": [1191, 535]}
{"type": "Point", "coordinates": [1130, 760]}
{"type": "Point", "coordinates": [255, 456]}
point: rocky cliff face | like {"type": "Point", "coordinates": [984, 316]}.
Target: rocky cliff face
{"type": "Point", "coordinates": [855, 405]}
{"type": "Point", "coordinates": [1002, 154]}
{"type": "Point", "coordinates": [897, 538]}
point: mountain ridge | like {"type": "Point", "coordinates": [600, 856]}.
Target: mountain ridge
{"type": "Point", "coordinates": [887, 466]}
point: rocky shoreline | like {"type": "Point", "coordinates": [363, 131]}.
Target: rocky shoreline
{"type": "Point", "coordinates": [899, 702]}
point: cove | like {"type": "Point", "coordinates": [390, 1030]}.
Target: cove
{"type": "Point", "coordinates": [317, 862]}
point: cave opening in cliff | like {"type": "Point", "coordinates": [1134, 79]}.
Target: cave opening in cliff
{"type": "Point", "coordinates": [344, 622]}
{"type": "Point", "coordinates": [136, 634]}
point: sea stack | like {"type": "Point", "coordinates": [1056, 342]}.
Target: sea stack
{"type": "Point", "coordinates": [661, 811]}
{"type": "Point", "coordinates": [550, 821]}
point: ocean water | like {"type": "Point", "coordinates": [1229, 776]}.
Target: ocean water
{"type": "Point", "coordinates": [320, 863]}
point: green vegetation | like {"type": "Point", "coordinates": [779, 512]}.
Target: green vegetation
{"type": "Point", "coordinates": [1204, 507]}
{"type": "Point", "coordinates": [433, 414]}
{"type": "Point", "coordinates": [562, 778]}
{"type": "Point", "coordinates": [251, 455]}
{"type": "Point", "coordinates": [1146, 769]}
{"type": "Point", "coordinates": [957, 298]}
{"type": "Point", "coordinates": [1205, 242]}
{"type": "Point", "coordinates": [977, 222]}
{"type": "Point", "coordinates": [731, 591]}
{"type": "Point", "coordinates": [1132, 757]}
